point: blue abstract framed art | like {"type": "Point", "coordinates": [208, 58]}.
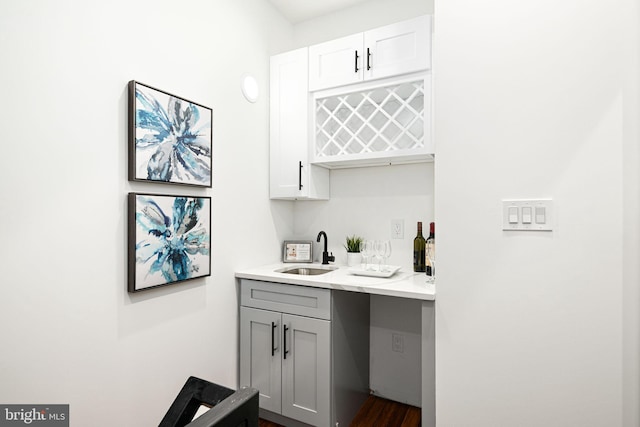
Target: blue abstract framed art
{"type": "Point", "coordinates": [170, 138]}
{"type": "Point", "coordinates": [169, 239]}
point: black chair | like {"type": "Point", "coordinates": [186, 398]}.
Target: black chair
{"type": "Point", "coordinates": [229, 408]}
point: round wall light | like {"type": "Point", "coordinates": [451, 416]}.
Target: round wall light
{"type": "Point", "coordinates": [250, 88]}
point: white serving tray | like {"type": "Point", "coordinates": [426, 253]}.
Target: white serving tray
{"type": "Point", "coordinates": [358, 271]}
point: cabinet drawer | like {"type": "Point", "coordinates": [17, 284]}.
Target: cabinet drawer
{"type": "Point", "coordinates": [293, 299]}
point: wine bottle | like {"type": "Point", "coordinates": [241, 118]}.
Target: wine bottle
{"type": "Point", "coordinates": [430, 248]}
{"type": "Point", "coordinates": [418, 251]}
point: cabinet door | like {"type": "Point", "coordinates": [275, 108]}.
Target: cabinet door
{"type": "Point", "coordinates": [336, 62]}
{"type": "Point", "coordinates": [291, 175]}
{"type": "Point", "coordinates": [260, 365]}
{"type": "Point", "coordinates": [306, 370]}
{"type": "Point", "coordinates": [399, 48]}
{"type": "Point", "coordinates": [289, 102]}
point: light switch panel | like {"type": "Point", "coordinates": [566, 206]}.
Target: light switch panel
{"type": "Point", "coordinates": [527, 215]}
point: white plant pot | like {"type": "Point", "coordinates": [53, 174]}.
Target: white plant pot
{"type": "Point", "coordinates": [354, 259]}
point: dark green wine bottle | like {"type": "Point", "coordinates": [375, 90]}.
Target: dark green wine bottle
{"type": "Point", "coordinates": [419, 264]}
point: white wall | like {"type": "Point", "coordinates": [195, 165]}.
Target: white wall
{"type": "Point", "coordinates": [70, 331]}
{"type": "Point", "coordinates": [363, 202]}
{"type": "Point", "coordinates": [360, 17]}
{"type": "Point", "coordinates": [537, 99]}
{"type": "Point", "coordinates": [631, 221]}
{"type": "Point", "coordinates": [396, 373]}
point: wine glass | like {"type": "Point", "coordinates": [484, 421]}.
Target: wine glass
{"type": "Point", "coordinates": [378, 250]}
{"type": "Point", "coordinates": [386, 254]}
{"type": "Point", "coordinates": [365, 250]}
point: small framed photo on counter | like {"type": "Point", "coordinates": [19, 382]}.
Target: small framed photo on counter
{"type": "Point", "coordinates": [297, 251]}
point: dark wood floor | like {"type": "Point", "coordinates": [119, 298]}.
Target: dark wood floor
{"type": "Point", "coordinates": [379, 412]}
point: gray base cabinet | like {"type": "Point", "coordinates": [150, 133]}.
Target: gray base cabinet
{"type": "Point", "coordinates": [306, 350]}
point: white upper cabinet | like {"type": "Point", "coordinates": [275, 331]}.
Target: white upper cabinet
{"type": "Point", "coordinates": [336, 62]}
{"type": "Point", "coordinates": [291, 175]}
{"type": "Point", "coordinates": [399, 48]}
{"type": "Point", "coordinates": [360, 100]}
{"type": "Point", "coordinates": [395, 49]}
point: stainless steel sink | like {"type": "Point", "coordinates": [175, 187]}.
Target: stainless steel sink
{"type": "Point", "coordinates": [306, 271]}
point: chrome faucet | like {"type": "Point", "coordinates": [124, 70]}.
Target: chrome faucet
{"type": "Point", "coordinates": [326, 258]}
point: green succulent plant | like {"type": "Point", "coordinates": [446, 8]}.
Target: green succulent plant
{"type": "Point", "coordinates": [353, 243]}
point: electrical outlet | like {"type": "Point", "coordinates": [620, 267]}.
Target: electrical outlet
{"type": "Point", "coordinates": [397, 343]}
{"type": "Point", "coordinates": [397, 229]}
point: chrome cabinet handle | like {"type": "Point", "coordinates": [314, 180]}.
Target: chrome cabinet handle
{"type": "Point", "coordinates": [356, 62]}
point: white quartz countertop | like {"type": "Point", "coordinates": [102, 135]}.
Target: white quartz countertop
{"type": "Point", "coordinates": [404, 284]}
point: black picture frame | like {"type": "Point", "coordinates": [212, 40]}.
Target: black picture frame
{"type": "Point", "coordinates": [169, 239]}
{"type": "Point", "coordinates": [170, 138]}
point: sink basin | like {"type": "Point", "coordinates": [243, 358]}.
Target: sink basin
{"type": "Point", "coordinates": [306, 271]}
